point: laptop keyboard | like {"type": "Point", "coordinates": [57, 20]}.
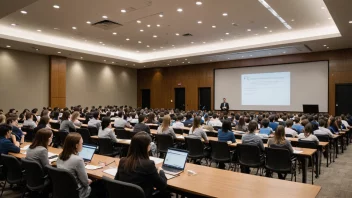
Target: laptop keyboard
{"type": "Point", "coordinates": [170, 169]}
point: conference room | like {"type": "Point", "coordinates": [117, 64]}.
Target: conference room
{"type": "Point", "coordinates": [187, 98]}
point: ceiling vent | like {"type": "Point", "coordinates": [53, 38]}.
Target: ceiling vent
{"type": "Point", "coordinates": [187, 34]}
{"type": "Point", "coordinates": [106, 25]}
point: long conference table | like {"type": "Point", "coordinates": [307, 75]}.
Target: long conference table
{"type": "Point", "coordinates": [212, 182]}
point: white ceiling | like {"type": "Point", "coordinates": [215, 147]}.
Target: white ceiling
{"type": "Point", "coordinates": [314, 23]}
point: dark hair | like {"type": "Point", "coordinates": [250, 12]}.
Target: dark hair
{"type": "Point", "coordinates": [297, 119]}
{"type": "Point", "coordinates": [138, 151]}
{"type": "Point", "coordinates": [279, 135]}
{"type": "Point", "coordinates": [105, 122]}
{"type": "Point", "coordinates": [241, 121]}
{"type": "Point", "coordinates": [141, 118]}
{"type": "Point", "coordinates": [96, 115]}
{"type": "Point", "coordinates": [188, 115]}
{"type": "Point", "coordinates": [322, 122]}
{"type": "Point", "coordinates": [252, 126]}
{"type": "Point", "coordinates": [28, 115]}
{"type": "Point", "coordinates": [226, 126]}
{"type": "Point", "coordinates": [196, 122]}
{"type": "Point", "coordinates": [69, 148]}
{"type": "Point", "coordinates": [44, 113]}
{"type": "Point", "coordinates": [11, 119]}
{"type": "Point", "coordinates": [4, 129]}
{"type": "Point", "coordinates": [41, 138]}
{"type": "Point", "coordinates": [272, 118]}
{"type": "Point", "coordinates": [304, 122]}
{"type": "Point", "coordinates": [65, 115]}
{"type": "Point", "coordinates": [35, 110]}
{"type": "Point", "coordinates": [44, 120]}
{"type": "Point", "coordinates": [310, 118]}
{"type": "Point", "coordinates": [289, 123]}
{"type": "Point", "coordinates": [265, 122]}
{"type": "Point", "coordinates": [151, 117]}
{"type": "Point", "coordinates": [120, 114]}
{"type": "Point", "coordinates": [333, 122]}
{"type": "Point", "coordinates": [308, 129]}
{"type": "Point", "coordinates": [180, 117]}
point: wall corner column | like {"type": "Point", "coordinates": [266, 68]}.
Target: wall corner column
{"type": "Point", "coordinates": [57, 91]}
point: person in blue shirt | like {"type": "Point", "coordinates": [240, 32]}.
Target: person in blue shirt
{"type": "Point", "coordinates": [188, 122]}
{"type": "Point", "coordinates": [273, 125]}
{"type": "Point", "coordinates": [6, 145]}
{"type": "Point", "coordinates": [297, 126]}
{"type": "Point", "coordinates": [225, 134]}
{"type": "Point", "coordinates": [333, 126]}
{"type": "Point", "coordinates": [19, 135]}
{"type": "Point", "coordinates": [265, 127]}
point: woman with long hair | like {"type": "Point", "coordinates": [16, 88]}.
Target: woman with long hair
{"type": "Point", "coordinates": [196, 131]}
{"type": "Point", "coordinates": [69, 160]}
{"type": "Point", "coordinates": [165, 127]}
{"type": "Point", "coordinates": [279, 140]}
{"type": "Point", "coordinates": [66, 124]}
{"type": "Point", "coordinates": [138, 169]}
{"type": "Point", "coordinates": [241, 125]}
{"type": "Point", "coordinates": [74, 119]}
{"type": "Point", "coordinates": [38, 150]}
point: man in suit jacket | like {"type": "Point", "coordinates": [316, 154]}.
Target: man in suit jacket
{"type": "Point", "coordinates": [224, 106]}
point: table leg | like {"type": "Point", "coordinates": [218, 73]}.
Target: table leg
{"type": "Point", "coordinates": [317, 160]}
{"type": "Point", "coordinates": [328, 154]}
{"type": "Point", "coordinates": [336, 148]}
{"type": "Point", "coordinates": [342, 143]}
{"type": "Point", "coordinates": [304, 163]}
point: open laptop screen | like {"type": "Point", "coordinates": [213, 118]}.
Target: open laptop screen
{"type": "Point", "coordinates": [87, 152]}
{"type": "Point", "coordinates": [176, 158]}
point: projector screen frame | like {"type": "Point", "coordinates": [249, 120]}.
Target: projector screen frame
{"type": "Point", "coordinates": [276, 64]}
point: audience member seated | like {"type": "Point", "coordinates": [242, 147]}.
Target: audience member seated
{"type": "Point", "coordinates": [225, 134]}
{"type": "Point", "coordinates": [74, 119]}
{"type": "Point", "coordinates": [178, 124]}
{"type": "Point", "coordinates": [66, 124]}
{"type": "Point", "coordinates": [29, 121]}
{"type": "Point", "coordinates": [272, 124]}
{"type": "Point", "coordinates": [165, 128]}
{"type": "Point", "coordinates": [120, 122]}
{"type": "Point", "coordinates": [105, 131]}
{"type": "Point", "coordinates": [2, 119]}
{"type": "Point", "coordinates": [6, 145]}
{"type": "Point", "coordinates": [297, 125]}
{"type": "Point", "coordinates": [188, 122]}
{"type": "Point", "coordinates": [17, 134]}
{"type": "Point", "coordinates": [333, 126]}
{"type": "Point", "coordinates": [307, 134]}
{"type": "Point", "coordinates": [138, 169]}
{"type": "Point", "coordinates": [43, 123]}
{"type": "Point", "coordinates": [312, 121]}
{"type": "Point", "coordinates": [322, 130]}
{"type": "Point", "coordinates": [141, 126]}
{"type": "Point", "coordinates": [38, 150]}
{"type": "Point", "coordinates": [241, 125]}
{"type": "Point", "coordinates": [152, 119]}
{"type": "Point", "coordinates": [289, 130]}
{"type": "Point", "coordinates": [196, 131]}
{"type": "Point", "coordinates": [215, 121]}
{"type": "Point", "coordinates": [265, 130]}
{"type": "Point", "coordinates": [95, 122]}
{"type": "Point", "coordinates": [69, 160]}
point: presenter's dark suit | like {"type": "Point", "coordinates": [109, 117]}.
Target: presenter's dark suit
{"type": "Point", "coordinates": [224, 104]}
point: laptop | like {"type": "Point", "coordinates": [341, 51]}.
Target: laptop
{"type": "Point", "coordinates": [175, 161]}
{"type": "Point", "coordinates": [87, 152]}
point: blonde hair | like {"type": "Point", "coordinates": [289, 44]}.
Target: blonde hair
{"type": "Point", "coordinates": [2, 119]}
{"type": "Point", "coordinates": [74, 116]}
{"type": "Point", "coordinates": [166, 123]}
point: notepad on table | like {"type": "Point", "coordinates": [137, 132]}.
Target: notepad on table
{"type": "Point", "coordinates": [92, 167]}
{"type": "Point", "coordinates": [156, 160]}
{"type": "Point", "coordinates": [297, 151]}
{"type": "Point", "coordinates": [111, 171]}
{"type": "Point", "coordinates": [25, 147]}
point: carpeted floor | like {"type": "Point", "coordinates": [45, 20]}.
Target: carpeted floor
{"type": "Point", "coordinates": [335, 180]}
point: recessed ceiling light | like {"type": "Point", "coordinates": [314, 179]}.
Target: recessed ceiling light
{"type": "Point", "coordinates": [183, 62]}
{"type": "Point", "coordinates": [155, 36]}
{"type": "Point", "coordinates": [161, 47]}
{"type": "Point", "coordinates": [227, 33]}
{"type": "Point", "coordinates": [104, 60]}
{"type": "Point", "coordinates": [134, 64]}
{"type": "Point", "coordinates": [177, 34]}
{"type": "Point", "coordinates": [228, 58]}
{"type": "Point", "coordinates": [36, 49]}
{"type": "Point", "coordinates": [8, 46]}
{"type": "Point", "coordinates": [284, 52]}
{"type": "Point", "coordinates": [103, 44]}
{"type": "Point", "coordinates": [327, 47]}
{"type": "Point", "coordinates": [204, 42]}
{"type": "Point", "coordinates": [139, 21]}
{"type": "Point", "coordinates": [24, 12]}
{"type": "Point", "coordinates": [324, 45]}
{"type": "Point", "coordinates": [350, 22]}
{"type": "Point", "coordinates": [148, 46]}
{"type": "Point", "coordinates": [139, 41]}
{"type": "Point", "coordinates": [114, 33]}
{"type": "Point", "coordinates": [112, 62]}
{"type": "Point", "coordinates": [144, 65]}
{"type": "Point", "coordinates": [192, 42]}
{"type": "Point", "coordinates": [74, 28]}
{"type": "Point", "coordinates": [100, 42]}
{"type": "Point", "coordinates": [179, 10]}
{"type": "Point", "coordinates": [168, 64]}
{"type": "Point", "coordinates": [185, 58]}
{"type": "Point", "coordinates": [137, 52]}
{"type": "Point", "coordinates": [292, 20]}
{"type": "Point", "coordinates": [39, 30]}
{"type": "Point", "coordinates": [56, 28]}
{"type": "Point", "coordinates": [141, 30]}
{"type": "Point", "coordinates": [224, 14]}
{"type": "Point", "coordinates": [56, 6]}
{"type": "Point", "coordinates": [88, 22]}
{"type": "Point", "coordinates": [213, 26]}
{"type": "Point", "coordinates": [221, 39]}
{"type": "Point", "coordinates": [123, 11]}
{"type": "Point", "coordinates": [81, 57]}
{"type": "Point", "coordinates": [323, 8]}
{"type": "Point", "coordinates": [256, 34]}
{"type": "Point", "coordinates": [127, 39]}
{"type": "Point", "coordinates": [266, 27]}
{"type": "Point", "coordinates": [59, 52]}
{"type": "Point", "coordinates": [189, 62]}
{"type": "Point", "coordinates": [105, 17]}
{"type": "Point", "coordinates": [157, 25]}
{"type": "Point", "coordinates": [211, 60]}
{"type": "Point", "coordinates": [173, 45]}
{"type": "Point", "coordinates": [148, 25]}
{"type": "Point", "coordinates": [251, 55]}
{"type": "Point", "coordinates": [249, 30]}
{"type": "Point", "coordinates": [270, 31]}
{"type": "Point", "coordinates": [199, 22]}
{"type": "Point", "coordinates": [329, 18]}
{"type": "Point", "coordinates": [161, 15]}
{"type": "Point", "coordinates": [273, 12]}
{"type": "Point", "coordinates": [154, 50]}
{"type": "Point", "coordinates": [14, 24]}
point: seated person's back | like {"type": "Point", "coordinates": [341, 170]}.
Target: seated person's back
{"type": "Point", "coordinates": [196, 130]}
{"type": "Point", "coordinates": [29, 121]}
{"type": "Point", "coordinates": [95, 122]}
{"type": "Point", "coordinates": [289, 130]}
{"type": "Point", "coordinates": [38, 150]}
{"type": "Point", "coordinates": [265, 129]}
{"type": "Point", "coordinates": [165, 128]}
{"type": "Point", "coordinates": [6, 145]}
{"type": "Point", "coordinates": [251, 138]}
{"type": "Point", "coordinates": [225, 133]}
{"type": "Point", "coordinates": [105, 131]}
{"type": "Point", "coordinates": [279, 141]}
{"type": "Point", "coordinates": [322, 130]}
{"type": "Point", "coordinates": [307, 134]}
{"type": "Point", "coordinates": [141, 126]}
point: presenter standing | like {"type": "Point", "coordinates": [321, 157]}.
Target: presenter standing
{"type": "Point", "coordinates": [224, 106]}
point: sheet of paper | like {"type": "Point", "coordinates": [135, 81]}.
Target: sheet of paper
{"type": "Point", "coordinates": [296, 151]}
{"type": "Point", "coordinates": [92, 167]}
{"type": "Point", "coordinates": [168, 176]}
{"type": "Point", "coordinates": [180, 136]}
{"type": "Point", "coordinates": [51, 154]}
{"type": "Point", "coordinates": [25, 148]}
{"type": "Point", "coordinates": [53, 160]}
{"type": "Point", "coordinates": [111, 171]}
{"type": "Point", "coordinates": [156, 160]}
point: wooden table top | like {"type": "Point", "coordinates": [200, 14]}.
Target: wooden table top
{"type": "Point", "coordinates": [214, 182]}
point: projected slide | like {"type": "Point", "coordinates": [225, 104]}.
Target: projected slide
{"type": "Point", "coordinates": [266, 88]}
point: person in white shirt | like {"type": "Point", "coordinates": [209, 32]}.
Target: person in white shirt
{"type": "Point", "coordinates": [178, 123]}
{"type": "Point", "coordinates": [344, 122]}
{"type": "Point", "coordinates": [29, 121]}
{"type": "Point", "coordinates": [215, 121]}
{"type": "Point", "coordinates": [289, 130]}
{"type": "Point", "coordinates": [307, 134]}
{"type": "Point", "coordinates": [120, 122]}
{"type": "Point", "coordinates": [322, 130]}
{"type": "Point", "coordinates": [95, 122]}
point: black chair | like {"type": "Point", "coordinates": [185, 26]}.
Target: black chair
{"type": "Point", "coordinates": [119, 189]}
{"type": "Point", "coordinates": [30, 134]}
{"type": "Point", "coordinates": [123, 134]}
{"type": "Point", "coordinates": [55, 125]}
{"type": "Point", "coordinates": [280, 161]}
{"type": "Point", "coordinates": [64, 184]}
{"type": "Point", "coordinates": [178, 131]}
{"type": "Point", "coordinates": [60, 138]}
{"type": "Point", "coordinates": [250, 156]}
{"type": "Point", "coordinates": [153, 126]}
{"type": "Point", "coordinates": [34, 175]}
{"type": "Point", "coordinates": [93, 130]}
{"type": "Point", "coordinates": [164, 142]}
{"type": "Point", "coordinates": [85, 135]}
{"type": "Point", "coordinates": [211, 134]}
{"type": "Point", "coordinates": [265, 140]}
{"type": "Point", "coordinates": [13, 171]}
{"type": "Point", "coordinates": [188, 125]}
{"type": "Point", "coordinates": [288, 135]}
{"type": "Point", "coordinates": [311, 145]}
{"type": "Point", "coordinates": [330, 148]}
{"type": "Point", "coordinates": [106, 147]}
{"type": "Point", "coordinates": [220, 152]}
{"type": "Point", "coordinates": [195, 148]}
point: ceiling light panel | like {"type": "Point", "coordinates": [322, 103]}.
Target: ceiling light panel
{"type": "Point", "coordinates": [267, 6]}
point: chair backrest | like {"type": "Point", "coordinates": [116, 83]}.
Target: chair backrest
{"type": "Point", "coordinates": [33, 174]}
{"type": "Point", "coordinates": [195, 147]}
{"type": "Point", "coordinates": [278, 160]}
{"type": "Point", "coordinates": [133, 124]}
{"type": "Point", "coordinates": [123, 134]}
{"type": "Point", "coordinates": [265, 140]}
{"type": "Point", "coordinates": [62, 136]}
{"type": "Point", "coordinates": [164, 141]}
{"type": "Point", "coordinates": [13, 169]}
{"type": "Point", "coordinates": [323, 138]}
{"type": "Point", "coordinates": [219, 151]}
{"type": "Point", "coordinates": [120, 189]}
{"type": "Point", "coordinates": [105, 146]}
{"type": "Point", "coordinates": [238, 136]}
{"type": "Point", "coordinates": [249, 155]}
{"type": "Point", "coordinates": [153, 127]}
{"type": "Point", "coordinates": [288, 135]}
{"type": "Point", "coordinates": [30, 134]}
{"type": "Point", "coordinates": [64, 184]}
{"type": "Point", "coordinates": [178, 131]}
{"type": "Point", "coordinates": [55, 125]}
{"type": "Point", "coordinates": [188, 124]}
{"type": "Point", "coordinates": [307, 144]}
{"type": "Point", "coordinates": [216, 128]}
{"type": "Point", "coordinates": [211, 134]}
{"type": "Point", "coordinates": [85, 135]}
{"type": "Point", "coordinates": [93, 131]}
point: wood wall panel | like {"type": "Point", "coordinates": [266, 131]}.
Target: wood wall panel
{"type": "Point", "coordinates": [57, 81]}
{"type": "Point", "coordinates": [162, 81]}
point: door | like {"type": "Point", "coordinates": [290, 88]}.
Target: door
{"type": "Point", "coordinates": [145, 98]}
{"type": "Point", "coordinates": [343, 103]}
{"type": "Point", "coordinates": [204, 98]}
{"type": "Point", "coordinates": [180, 98]}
